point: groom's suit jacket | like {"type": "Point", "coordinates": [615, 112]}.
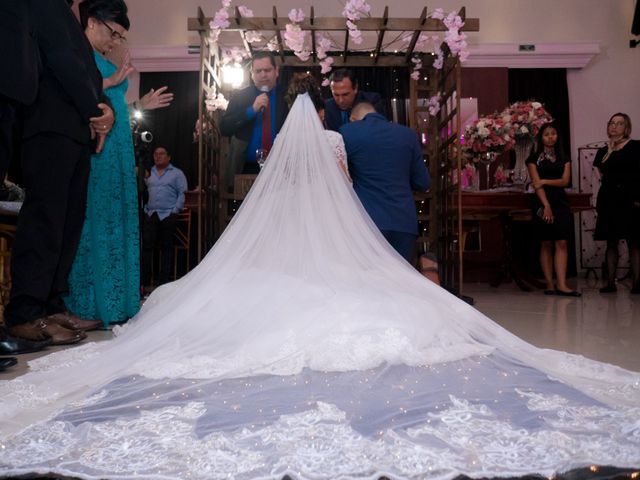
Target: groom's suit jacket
{"type": "Point", "coordinates": [385, 163]}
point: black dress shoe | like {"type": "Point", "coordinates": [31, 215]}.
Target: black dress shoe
{"type": "Point", "coordinates": [15, 346]}
{"type": "Point", "coordinates": [7, 362]}
{"type": "Point", "coordinates": [572, 293]}
{"type": "Point", "coordinates": [608, 289]}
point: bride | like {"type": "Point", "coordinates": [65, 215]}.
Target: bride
{"type": "Point", "coordinates": [303, 345]}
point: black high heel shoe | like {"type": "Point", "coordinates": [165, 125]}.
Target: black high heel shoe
{"type": "Point", "coordinates": [572, 293]}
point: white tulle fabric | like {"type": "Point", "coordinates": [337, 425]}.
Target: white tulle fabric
{"type": "Point", "coordinates": [304, 345]}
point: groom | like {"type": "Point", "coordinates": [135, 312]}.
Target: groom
{"type": "Point", "coordinates": [385, 163]}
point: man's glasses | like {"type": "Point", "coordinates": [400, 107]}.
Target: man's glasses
{"type": "Point", "coordinates": [114, 35]}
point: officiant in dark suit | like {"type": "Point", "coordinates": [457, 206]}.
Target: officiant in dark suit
{"type": "Point", "coordinates": [386, 165]}
{"type": "Point", "coordinates": [346, 95]}
{"type": "Point", "coordinates": [60, 128]}
{"type": "Point", "coordinates": [254, 116]}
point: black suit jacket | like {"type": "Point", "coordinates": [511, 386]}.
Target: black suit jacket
{"type": "Point", "coordinates": [70, 85]}
{"type": "Point", "coordinates": [234, 121]}
{"type": "Point", "coordinates": [19, 51]}
{"type": "Point", "coordinates": [333, 117]}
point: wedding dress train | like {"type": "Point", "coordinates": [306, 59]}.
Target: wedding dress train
{"type": "Point", "coordinates": [304, 345]}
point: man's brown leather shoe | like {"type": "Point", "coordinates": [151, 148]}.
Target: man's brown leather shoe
{"type": "Point", "coordinates": [73, 322]}
{"type": "Point", "coordinates": [41, 329]}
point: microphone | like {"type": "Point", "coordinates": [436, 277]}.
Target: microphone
{"type": "Point", "coordinates": [263, 89]}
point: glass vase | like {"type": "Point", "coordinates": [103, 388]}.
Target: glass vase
{"type": "Point", "coordinates": [522, 149]}
{"type": "Point", "coordinates": [487, 158]}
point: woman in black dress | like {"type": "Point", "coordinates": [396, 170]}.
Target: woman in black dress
{"type": "Point", "coordinates": [550, 171]}
{"type": "Point", "coordinates": [618, 204]}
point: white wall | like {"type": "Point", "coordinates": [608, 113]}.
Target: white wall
{"type": "Point", "coordinates": [609, 83]}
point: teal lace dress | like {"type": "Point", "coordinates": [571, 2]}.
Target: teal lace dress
{"type": "Point", "coordinates": [104, 282]}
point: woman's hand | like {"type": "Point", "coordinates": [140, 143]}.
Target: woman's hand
{"type": "Point", "coordinates": [539, 184]}
{"type": "Point", "coordinates": [156, 99]}
{"type": "Point", "coordinates": [124, 70]}
{"type": "Point", "coordinates": [547, 216]}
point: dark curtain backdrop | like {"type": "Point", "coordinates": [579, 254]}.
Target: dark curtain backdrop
{"type": "Point", "coordinates": [489, 85]}
{"type": "Point", "coordinates": [172, 127]}
{"type": "Point", "coordinates": [389, 82]}
{"type": "Point", "coordinates": [549, 87]}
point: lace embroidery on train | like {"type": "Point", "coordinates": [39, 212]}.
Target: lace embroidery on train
{"type": "Point", "coordinates": [463, 437]}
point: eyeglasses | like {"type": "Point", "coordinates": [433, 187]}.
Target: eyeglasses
{"type": "Point", "coordinates": [117, 36]}
{"type": "Point", "coordinates": [616, 124]}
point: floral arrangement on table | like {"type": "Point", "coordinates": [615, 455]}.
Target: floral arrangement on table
{"type": "Point", "coordinates": [487, 134]}
{"type": "Point", "coordinates": [525, 119]}
{"type": "Point", "coordinates": [469, 179]}
{"type": "Point", "coordinates": [500, 176]}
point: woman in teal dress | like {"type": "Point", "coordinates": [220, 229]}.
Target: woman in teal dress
{"type": "Point", "coordinates": [104, 282]}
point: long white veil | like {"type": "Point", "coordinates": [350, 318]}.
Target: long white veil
{"type": "Point", "coordinates": [302, 323]}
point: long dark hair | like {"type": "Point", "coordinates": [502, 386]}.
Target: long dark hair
{"type": "Point", "coordinates": [557, 148]}
{"type": "Point", "coordinates": [105, 11]}
{"type": "Point", "coordinates": [304, 83]}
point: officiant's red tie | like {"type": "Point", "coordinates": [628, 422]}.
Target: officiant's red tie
{"type": "Point", "coordinates": [266, 127]}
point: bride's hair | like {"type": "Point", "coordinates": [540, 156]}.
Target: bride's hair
{"type": "Point", "coordinates": [304, 83]}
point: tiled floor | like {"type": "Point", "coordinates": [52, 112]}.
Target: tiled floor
{"type": "Point", "coordinates": [605, 327]}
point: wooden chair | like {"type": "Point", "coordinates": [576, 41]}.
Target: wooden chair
{"type": "Point", "coordinates": [7, 235]}
{"type": "Point", "coordinates": [182, 240]}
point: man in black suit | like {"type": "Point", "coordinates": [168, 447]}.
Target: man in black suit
{"type": "Point", "coordinates": [345, 96]}
{"type": "Point", "coordinates": [19, 84]}
{"type": "Point", "coordinates": [58, 128]}
{"type": "Point", "coordinates": [254, 116]}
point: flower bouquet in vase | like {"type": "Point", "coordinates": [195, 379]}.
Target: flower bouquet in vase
{"type": "Point", "coordinates": [524, 120]}
{"type": "Point", "coordinates": [485, 139]}
{"type": "Point", "coordinates": [469, 178]}
{"type": "Point", "coordinates": [500, 176]}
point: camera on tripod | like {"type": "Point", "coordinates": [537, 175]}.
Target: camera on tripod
{"type": "Point", "coordinates": [146, 136]}
{"type": "Point", "coordinates": [141, 143]}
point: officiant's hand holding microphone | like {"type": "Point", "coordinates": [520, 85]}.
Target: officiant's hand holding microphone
{"type": "Point", "coordinates": [262, 101]}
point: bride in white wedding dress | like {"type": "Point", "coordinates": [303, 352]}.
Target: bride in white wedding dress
{"type": "Point", "coordinates": [304, 345]}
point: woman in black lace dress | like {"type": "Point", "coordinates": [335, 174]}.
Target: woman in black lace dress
{"type": "Point", "coordinates": [618, 204]}
{"type": "Point", "coordinates": [550, 171]}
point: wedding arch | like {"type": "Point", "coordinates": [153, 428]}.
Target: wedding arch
{"type": "Point", "coordinates": [433, 45]}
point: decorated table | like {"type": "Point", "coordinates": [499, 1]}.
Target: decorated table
{"type": "Point", "coordinates": [508, 206]}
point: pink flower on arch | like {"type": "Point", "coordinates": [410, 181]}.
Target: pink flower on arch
{"type": "Point", "coordinates": [296, 15]}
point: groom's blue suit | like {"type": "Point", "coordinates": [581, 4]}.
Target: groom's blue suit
{"type": "Point", "coordinates": [386, 164]}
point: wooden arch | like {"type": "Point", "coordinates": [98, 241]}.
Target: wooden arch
{"type": "Point", "coordinates": [439, 209]}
